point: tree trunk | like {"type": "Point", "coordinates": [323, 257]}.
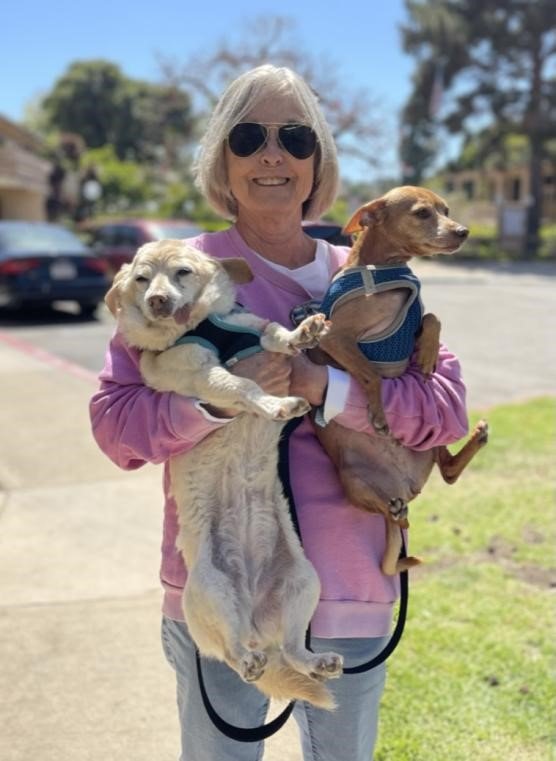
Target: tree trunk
{"type": "Point", "coordinates": [534, 211]}
{"type": "Point", "coordinates": [532, 122]}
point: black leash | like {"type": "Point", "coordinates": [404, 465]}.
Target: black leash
{"type": "Point", "coordinates": [388, 649]}
{"type": "Point", "coordinates": [264, 731]}
{"type": "Point", "coordinates": [394, 640]}
{"type": "Point", "coordinates": [241, 734]}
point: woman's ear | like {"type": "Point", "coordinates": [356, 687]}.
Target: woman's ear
{"type": "Point", "coordinates": [237, 270]}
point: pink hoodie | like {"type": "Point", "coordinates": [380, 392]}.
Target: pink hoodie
{"type": "Point", "coordinates": [133, 425]}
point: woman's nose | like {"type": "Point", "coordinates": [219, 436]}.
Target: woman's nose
{"type": "Point", "coordinates": [272, 152]}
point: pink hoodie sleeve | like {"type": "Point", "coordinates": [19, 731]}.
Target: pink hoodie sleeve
{"type": "Point", "coordinates": [132, 424]}
{"type": "Point", "coordinates": [421, 413]}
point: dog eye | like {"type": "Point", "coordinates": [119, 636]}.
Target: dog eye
{"type": "Point", "coordinates": [422, 213]}
{"type": "Point", "coordinates": [183, 272]}
{"type": "Point", "coordinates": [141, 279]}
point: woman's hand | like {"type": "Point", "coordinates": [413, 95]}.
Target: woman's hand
{"type": "Point", "coordinates": [308, 380]}
{"type": "Point", "coordinates": [281, 375]}
{"type": "Point", "coordinates": [271, 371]}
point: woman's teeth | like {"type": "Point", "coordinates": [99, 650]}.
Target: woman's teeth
{"type": "Point", "coordinates": [271, 180]}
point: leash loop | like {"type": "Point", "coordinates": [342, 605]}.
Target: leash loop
{"type": "Point", "coordinates": [241, 734]}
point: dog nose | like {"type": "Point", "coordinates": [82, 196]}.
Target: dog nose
{"type": "Point", "coordinates": [161, 305]}
{"type": "Point", "coordinates": [462, 232]}
{"type": "Point", "coordinates": [157, 302]}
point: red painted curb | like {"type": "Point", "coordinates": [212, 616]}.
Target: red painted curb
{"type": "Point", "coordinates": [49, 359]}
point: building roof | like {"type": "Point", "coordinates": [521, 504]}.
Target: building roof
{"type": "Point", "coordinates": [20, 135]}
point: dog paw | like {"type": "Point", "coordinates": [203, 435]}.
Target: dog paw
{"type": "Point", "coordinates": [480, 433]}
{"type": "Point", "coordinates": [327, 666]}
{"type": "Point", "coordinates": [252, 666]}
{"type": "Point", "coordinates": [292, 406]}
{"type": "Point", "coordinates": [379, 424]}
{"type": "Point", "coordinates": [428, 345]}
{"type": "Point", "coordinates": [281, 407]}
{"type": "Point", "coordinates": [427, 363]}
{"type": "Point", "coordinates": [397, 508]}
{"type": "Point", "coordinates": [308, 334]}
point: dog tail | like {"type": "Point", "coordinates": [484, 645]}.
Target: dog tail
{"type": "Point", "coordinates": [282, 682]}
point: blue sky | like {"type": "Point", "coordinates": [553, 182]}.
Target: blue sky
{"type": "Point", "coordinates": [40, 40]}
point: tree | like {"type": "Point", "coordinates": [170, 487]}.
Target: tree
{"type": "Point", "coordinates": [496, 62]}
{"type": "Point", "coordinates": [439, 41]}
{"type": "Point", "coordinates": [271, 39]}
{"type": "Point", "coordinates": [125, 184]}
{"type": "Point", "coordinates": [95, 100]}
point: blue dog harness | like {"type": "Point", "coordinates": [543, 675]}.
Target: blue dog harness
{"type": "Point", "coordinates": [397, 342]}
{"type": "Point", "coordinates": [229, 342]}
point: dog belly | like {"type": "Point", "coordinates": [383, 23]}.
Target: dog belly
{"type": "Point", "coordinates": [228, 478]}
{"type": "Point", "coordinates": [395, 471]}
{"type": "Point", "coordinates": [391, 470]}
{"type": "Point", "coordinates": [236, 534]}
{"type": "Point", "coordinates": [227, 489]}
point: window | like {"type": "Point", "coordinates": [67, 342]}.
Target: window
{"type": "Point", "coordinates": [125, 235]}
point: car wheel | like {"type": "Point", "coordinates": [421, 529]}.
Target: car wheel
{"type": "Point", "coordinates": [87, 309]}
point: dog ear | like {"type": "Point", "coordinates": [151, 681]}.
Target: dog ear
{"type": "Point", "coordinates": [371, 213]}
{"type": "Point", "coordinates": [112, 298]}
{"type": "Point", "coordinates": [237, 270]}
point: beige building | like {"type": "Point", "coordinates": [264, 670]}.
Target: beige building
{"type": "Point", "coordinates": [504, 187]}
{"type": "Point", "coordinates": [23, 175]}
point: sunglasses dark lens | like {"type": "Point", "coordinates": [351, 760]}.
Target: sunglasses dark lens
{"type": "Point", "coordinates": [246, 138]}
{"type": "Point", "coordinates": [298, 139]}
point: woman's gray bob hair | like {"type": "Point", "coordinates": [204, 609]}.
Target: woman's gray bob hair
{"type": "Point", "coordinates": [242, 95]}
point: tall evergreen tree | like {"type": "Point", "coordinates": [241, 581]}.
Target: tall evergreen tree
{"type": "Point", "coordinates": [495, 61]}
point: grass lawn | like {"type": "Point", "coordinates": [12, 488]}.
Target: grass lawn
{"type": "Point", "coordinates": [473, 677]}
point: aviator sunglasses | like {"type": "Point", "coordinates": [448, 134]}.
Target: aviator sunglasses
{"type": "Point", "coordinates": [246, 138]}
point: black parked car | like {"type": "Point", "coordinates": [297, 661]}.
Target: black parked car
{"type": "Point", "coordinates": [41, 263]}
{"type": "Point", "coordinates": [117, 241]}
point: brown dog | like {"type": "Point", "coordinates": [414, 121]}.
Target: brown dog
{"type": "Point", "coordinates": [377, 321]}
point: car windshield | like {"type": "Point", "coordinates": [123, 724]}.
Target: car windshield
{"type": "Point", "coordinates": [160, 230]}
{"type": "Point", "coordinates": [39, 239]}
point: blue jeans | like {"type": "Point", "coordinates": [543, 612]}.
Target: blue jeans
{"type": "Point", "coordinates": [349, 732]}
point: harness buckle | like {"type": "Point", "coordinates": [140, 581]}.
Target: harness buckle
{"type": "Point", "coordinates": [367, 276]}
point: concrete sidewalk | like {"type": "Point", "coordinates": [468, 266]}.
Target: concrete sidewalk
{"type": "Point", "coordinates": [82, 672]}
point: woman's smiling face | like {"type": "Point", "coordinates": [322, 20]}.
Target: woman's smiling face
{"type": "Point", "coordinates": [271, 180]}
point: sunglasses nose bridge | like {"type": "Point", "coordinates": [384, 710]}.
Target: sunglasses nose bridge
{"type": "Point", "coordinates": [272, 146]}
{"type": "Point", "coordinates": [272, 137]}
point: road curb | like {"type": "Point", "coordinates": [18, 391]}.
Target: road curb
{"type": "Point", "coordinates": [59, 363]}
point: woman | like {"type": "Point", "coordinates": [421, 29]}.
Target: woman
{"type": "Point", "coordinates": [268, 161]}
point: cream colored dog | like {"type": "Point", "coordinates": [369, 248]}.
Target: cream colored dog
{"type": "Point", "coordinates": [251, 591]}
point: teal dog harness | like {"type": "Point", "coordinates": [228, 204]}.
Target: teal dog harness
{"type": "Point", "coordinates": [228, 341]}
{"type": "Point", "coordinates": [396, 344]}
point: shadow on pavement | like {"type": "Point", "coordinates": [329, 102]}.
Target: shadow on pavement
{"type": "Point", "coordinates": [64, 313]}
